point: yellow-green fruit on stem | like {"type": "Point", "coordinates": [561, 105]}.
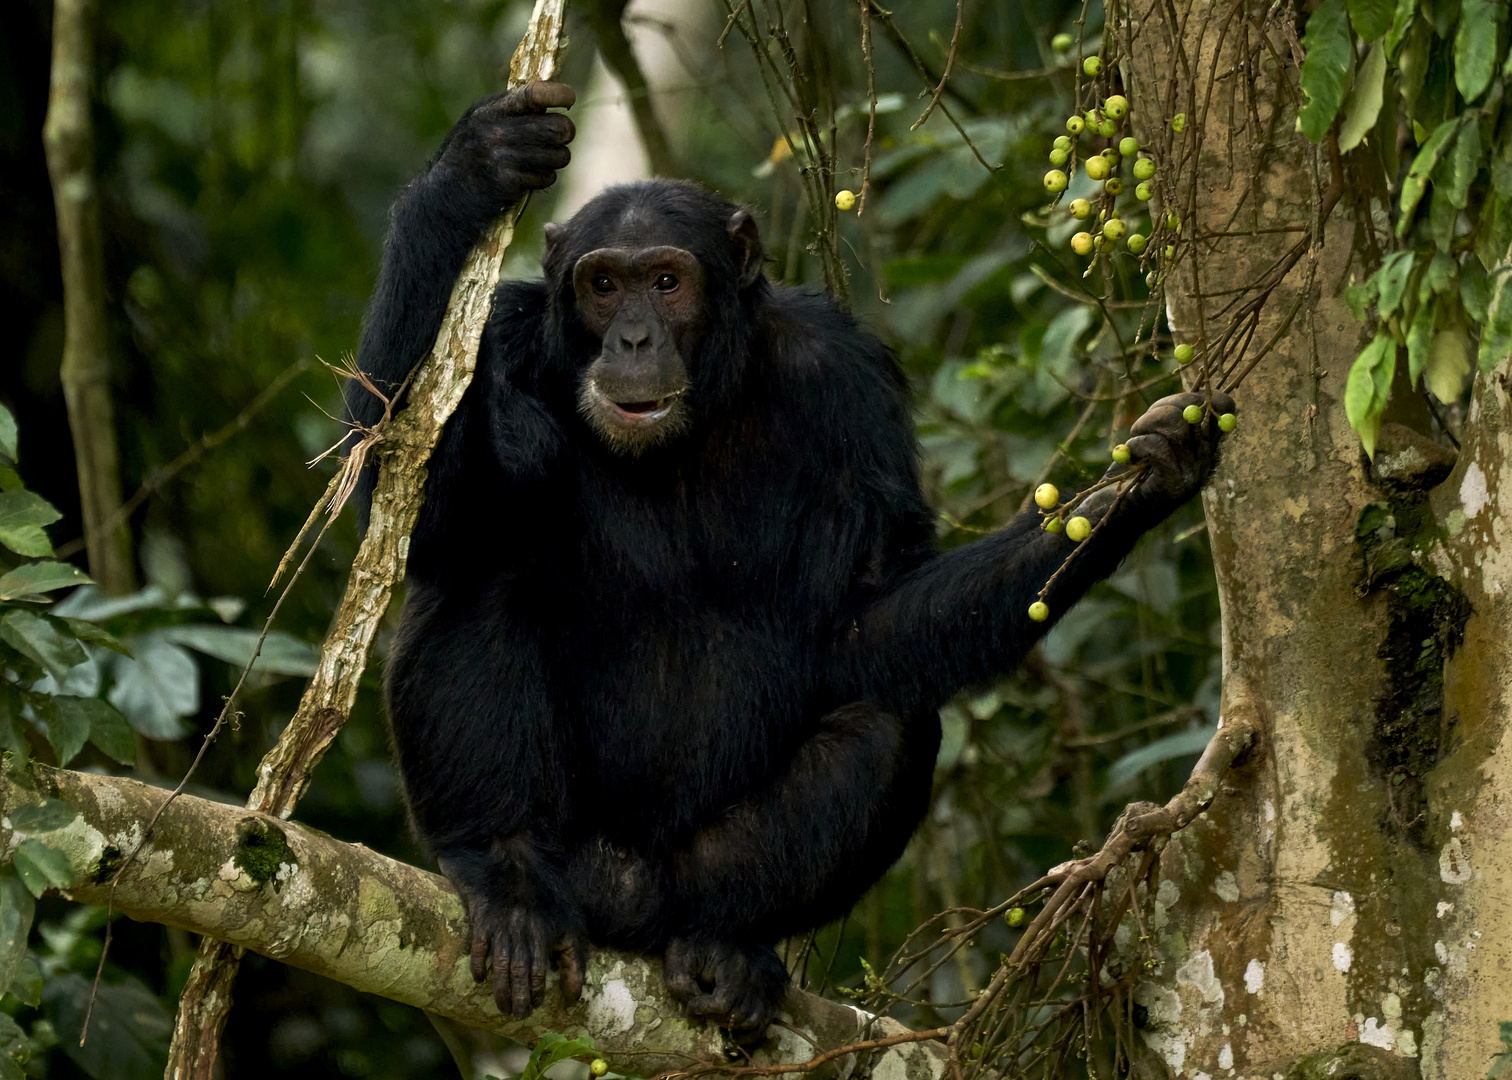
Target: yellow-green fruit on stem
{"type": "Point", "coordinates": [1107, 128]}
{"type": "Point", "coordinates": [1116, 106]}
{"type": "Point", "coordinates": [1114, 186]}
{"type": "Point", "coordinates": [1183, 353]}
{"type": "Point", "coordinates": [1046, 497]}
{"type": "Point", "coordinates": [1114, 230]}
{"type": "Point", "coordinates": [1016, 916]}
{"type": "Point", "coordinates": [1078, 529]}
{"type": "Point", "coordinates": [1128, 146]}
{"type": "Point", "coordinates": [1092, 65]}
{"type": "Point", "coordinates": [598, 1067]}
{"type": "Point", "coordinates": [1081, 209]}
{"type": "Point", "coordinates": [1062, 42]}
{"type": "Point", "coordinates": [1063, 142]}
{"type": "Point", "coordinates": [1192, 413]}
{"type": "Point", "coordinates": [1142, 191]}
{"type": "Point", "coordinates": [1178, 123]}
{"type": "Point", "coordinates": [1075, 124]}
{"type": "Point", "coordinates": [1137, 242]}
{"type": "Point", "coordinates": [1144, 168]}
{"type": "Point", "coordinates": [1058, 157]}
{"type": "Point", "coordinates": [844, 200]}
{"type": "Point", "coordinates": [1081, 243]}
{"type": "Point", "coordinates": [1054, 524]}
{"type": "Point", "coordinates": [1097, 168]}
{"type": "Point", "coordinates": [1227, 421]}
{"type": "Point", "coordinates": [1039, 611]}
{"type": "Point", "coordinates": [1121, 453]}
{"type": "Point", "coordinates": [1055, 181]}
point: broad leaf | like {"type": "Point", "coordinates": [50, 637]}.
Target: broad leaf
{"type": "Point", "coordinates": [88, 631]}
{"type": "Point", "coordinates": [30, 579]}
{"type": "Point", "coordinates": [282, 653]}
{"type": "Point", "coordinates": [22, 516]}
{"type": "Point", "coordinates": [1463, 165]}
{"type": "Point", "coordinates": [1422, 167]}
{"type": "Point", "coordinates": [17, 907]}
{"type": "Point", "coordinates": [1475, 45]}
{"type": "Point", "coordinates": [1325, 69]}
{"type": "Point", "coordinates": [1181, 744]}
{"type": "Point", "coordinates": [1391, 281]}
{"type": "Point", "coordinates": [1419, 338]}
{"type": "Point", "coordinates": [42, 817]}
{"type": "Point", "coordinates": [1496, 333]}
{"type": "Point", "coordinates": [1371, 18]}
{"type": "Point", "coordinates": [1474, 289]}
{"type": "Point", "coordinates": [42, 867]}
{"type": "Point", "coordinates": [156, 688]}
{"type": "Point", "coordinates": [39, 641]}
{"type": "Point", "coordinates": [128, 1031]}
{"type": "Point", "coordinates": [102, 724]}
{"type": "Point", "coordinates": [1364, 100]}
{"type": "Point", "coordinates": [8, 446]}
{"type": "Point", "coordinates": [1367, 387]}
{"type": "Point", "coordinates": [1448, 363]}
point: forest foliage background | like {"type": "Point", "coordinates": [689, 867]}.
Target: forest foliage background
{"type": "Point", "coordinates": [246, 154]}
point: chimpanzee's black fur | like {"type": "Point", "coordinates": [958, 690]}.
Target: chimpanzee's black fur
{"type": "Point", "coordinates": [683, 701]}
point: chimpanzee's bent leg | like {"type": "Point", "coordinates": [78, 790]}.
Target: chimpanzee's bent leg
{"type": "Point", "coordinates": [794, 856]}
{"type": "Point", "coordinates": [486, 771]}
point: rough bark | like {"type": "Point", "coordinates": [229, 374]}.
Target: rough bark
{"type": "Point", "coordinates": [405, 447]}
{"type": "Point", "coordinates": [68, 137]}
{"type": "Point", "coordinates": [1340, 904]}
{"type": "Point", "coordinates": [259, 882]}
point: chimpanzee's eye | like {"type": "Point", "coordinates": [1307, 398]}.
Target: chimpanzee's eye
{"type": "Point", "coordinates": [666, 283]}
{"type": "Point", "coordinates": [603, 284]}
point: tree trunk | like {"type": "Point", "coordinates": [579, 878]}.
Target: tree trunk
{"type": "Point", "coordinates": [68, 136]}
{"type": "Point", "coordinates": [1333, 906]}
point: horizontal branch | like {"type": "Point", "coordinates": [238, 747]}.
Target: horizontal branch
{"type": "Point", "coordinates": [384, 927]}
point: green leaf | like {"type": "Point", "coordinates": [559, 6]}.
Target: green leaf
{"type": "Point", "coordinates": [1463, 165]}
{"type": "Point", "coordinates": [1475, 290]}
{"type": "Point", "coordinates": [1401, 22]}
{"type": "Point", "coordinates": [42, 817]}
{"type": "Point", "coordinates": [1361, 298]}
{"type": "Point", "coordinates": [22, 515]}
{"type": "Point", "coordinates": [103, 724]}
{"type": "Point", "coordinates": [1366, 389]}
{"type": "Point", "coordinates": [128, 1030]}
{"type": "Point", "coordinates": [67, 732]}
{"type": "Point", "coordinates": [157, 688]}
{"type": "Point", "coordinates": [1475, 45]}
{"type": "Point", "coordinates": [1181, 744]}
{"type": "Point", "coordinates": [1448, 363]}
{"type": "Point", "coordinates": [42, 867]}
{"type": "Point", "coordinates": [8, 446]}
{"type": "Point", "coordinates": [1441, 273]}
{"type": "Point", "coordinates": [1364, 100]}
{"type": "Point", "coordinates": [29, 579]}
{"type": "Point", "coordinates": [1371, 18]}
{"type": "Point", "coordinates": [552, 1048]}
{"type": "Point", "coordinates": [39, 641]}
{"type": "Point", "coordinates": [282, 653]}
{"type": "Point", "coordinates": [1419, 337]}
{"type": "Point", "coordinates": [1422, 167]}
{"type": "Point", "coordinates": [17, 908]}
{"type": "Point", "coordinates": [1391, 281]}
{"type": "Point", "coordinates": [85, 630]}
{"type": "Point", "coordinates": [1325, 69]}
{"type": "Point", "coordinates": [26, 986]}
{"type": "Point", "coordinates": [1496, 334]}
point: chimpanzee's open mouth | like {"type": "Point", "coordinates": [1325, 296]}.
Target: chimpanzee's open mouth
{"type": "Point", "coordinates": [643, 410]}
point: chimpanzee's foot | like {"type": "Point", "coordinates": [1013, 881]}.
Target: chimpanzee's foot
{"type": "Point", "coordinates": [738, 986]}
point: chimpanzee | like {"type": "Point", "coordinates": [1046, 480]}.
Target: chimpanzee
{"type": "Point", "coordinates": [676, 635]}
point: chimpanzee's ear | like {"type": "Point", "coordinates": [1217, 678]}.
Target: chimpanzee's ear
{"type": "Point", "coordinates": [553, 233]}
{"type": "Point", "coordinates": [747, 241]}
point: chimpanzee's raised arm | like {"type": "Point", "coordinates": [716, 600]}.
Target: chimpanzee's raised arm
{"type": "Point", "coordinates": [962, 617]}
{"type": "Point", "coordinates": [501, 149]}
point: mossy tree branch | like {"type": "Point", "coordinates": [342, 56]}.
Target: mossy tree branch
{"type": "Point", "coordinates": [258, 882]}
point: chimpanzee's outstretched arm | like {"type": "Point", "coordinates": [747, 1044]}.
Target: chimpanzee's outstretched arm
{"type": "Point", "coordinates": [962, 617]}
{"type": "Point", "coordinates": [502, 148]}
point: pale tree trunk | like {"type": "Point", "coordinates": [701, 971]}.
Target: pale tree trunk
{"type": "Point", "coordinates": [68, 136]}
{"type": "Point", "coordinates": [1343, 909]}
